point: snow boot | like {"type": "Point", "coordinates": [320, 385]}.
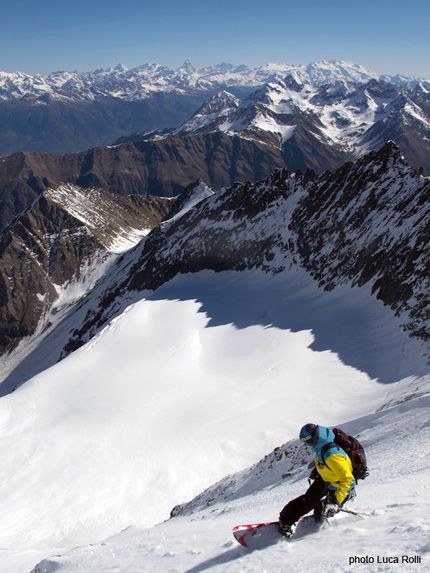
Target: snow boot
{"type": "Point", "coordinates": [285, 530]}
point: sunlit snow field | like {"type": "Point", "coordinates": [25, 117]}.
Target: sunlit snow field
{"type": "Point", "coordinates": [199, 380]}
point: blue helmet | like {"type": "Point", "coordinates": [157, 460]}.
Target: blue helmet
{"type": "Point", "coordinates": [309, 434]}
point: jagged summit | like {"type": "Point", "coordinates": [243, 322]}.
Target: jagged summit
{"type": "Point", "coordinates": [120, 68]}
{"type": "Point", "coordinates": [220, 102]}
{"type": "Point", "coordinates": [187, 67]}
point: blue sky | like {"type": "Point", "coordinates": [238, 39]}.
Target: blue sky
{"type": "Point", "coordinates": [386, 36]}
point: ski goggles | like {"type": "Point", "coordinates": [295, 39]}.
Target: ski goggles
{"type": "Point", "coordinates": [308, 440]}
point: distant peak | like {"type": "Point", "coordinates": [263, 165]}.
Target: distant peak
{"type": "Point", "coordinates": [187, 66]}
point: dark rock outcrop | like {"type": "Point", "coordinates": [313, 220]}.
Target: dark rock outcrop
{"type": "Point", "coordinates": [160, 168]}
{"type": "Point", "coordinates": [65, 231]}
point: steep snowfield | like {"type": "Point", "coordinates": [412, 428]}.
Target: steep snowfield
{"type": "Point", "coordinates": [186, 386]}
{"type": "Point", "coordinates": [390, 534]}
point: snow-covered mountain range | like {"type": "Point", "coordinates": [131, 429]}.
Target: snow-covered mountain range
{"type": "Point", "coordinates": [284, 123]}
{"type": "Point", "coordinates": [333, 110]}
{"type": "Point", "coordinates": [137, 83]}
{"type": "Point", "coordinates": [319, 125]}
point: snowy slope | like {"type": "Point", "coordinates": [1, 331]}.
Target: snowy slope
{"type": "Point", "coordinates": [390, 534]}
{"type": "Point", "coordinates": [170, 398]}
{"type": "Point", "coordinates": [193, 395]}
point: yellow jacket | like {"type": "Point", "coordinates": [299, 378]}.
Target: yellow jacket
{"type": "Point", "coordinates": [336, 467]}
{"type": "Point", "coordinates": [337, 472]}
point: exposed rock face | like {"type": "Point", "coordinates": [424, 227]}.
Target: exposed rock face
{"type": "Point", "coordinates": [65, 232]}
{"type": "Point", "coordinates": [372, 225]}
{"type": "Point", "coordinates": [161, 168]}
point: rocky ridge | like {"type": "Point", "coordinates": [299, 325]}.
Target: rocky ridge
{"type": "Point", "coordinates": [283, 124]}
{"type": "Point", "coordinates": [65, 237]}
{"type": "Point", "coordinates": [159, 168]}
{"type": "Point", "coordinates": [365, 224]}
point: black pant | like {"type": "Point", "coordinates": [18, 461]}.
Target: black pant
{"type": "Point", "coordinates": [303, 504]}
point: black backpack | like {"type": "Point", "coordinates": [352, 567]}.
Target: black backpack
{"type": "Point", "coordinates": [355, 451]}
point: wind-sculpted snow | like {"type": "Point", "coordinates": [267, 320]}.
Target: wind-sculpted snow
{"type": "Point", "coordinates": [166, 400]}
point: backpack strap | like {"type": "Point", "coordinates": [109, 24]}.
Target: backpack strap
{"type": "Point", "coordinates": [325, 449]}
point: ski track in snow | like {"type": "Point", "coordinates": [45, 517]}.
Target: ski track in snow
{"type": "Point", "coordinates": [179, 391]}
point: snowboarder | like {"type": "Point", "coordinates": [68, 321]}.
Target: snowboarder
{"type": "Point", "coordinates": [333, 481]}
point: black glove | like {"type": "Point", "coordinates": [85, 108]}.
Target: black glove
{"type": "Point", "coordinates": [330, 506]}
{"type": "Point", "coordinates": [351, 496]}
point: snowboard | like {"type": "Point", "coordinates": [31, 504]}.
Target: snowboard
{"type": "Point", "coordinates": [258, 535]}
